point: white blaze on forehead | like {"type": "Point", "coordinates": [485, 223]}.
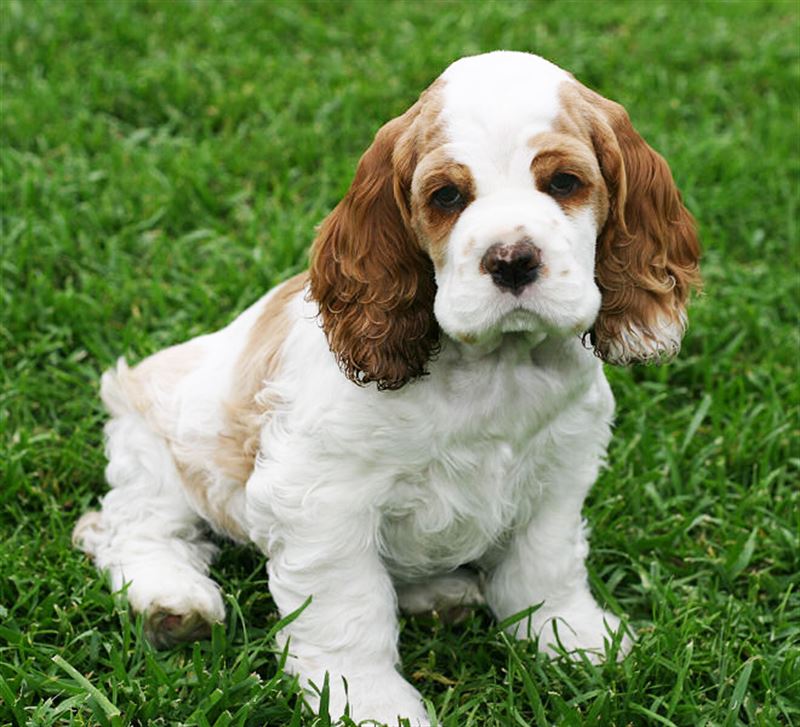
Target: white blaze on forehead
{"type": "Point", "coordinates": [493, 104]}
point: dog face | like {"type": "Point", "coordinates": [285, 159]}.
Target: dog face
{"type": "Point", "coordinates": [508, 199]}
{"type": "Point", "coordinates": [509, 207]}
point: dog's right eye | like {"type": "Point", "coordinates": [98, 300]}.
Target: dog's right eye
{"type": "Point", "coordinates": [448, 198]}
{"type": "Point", "coordinates": [563, 184]}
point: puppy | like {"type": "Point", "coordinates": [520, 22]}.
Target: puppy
{"type": "Point", "coordinates": [416, 420]}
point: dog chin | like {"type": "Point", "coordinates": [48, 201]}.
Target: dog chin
{"type": "Point", "coordinates": [522, 321]}
{"type": "Point", "coordinates": [521, 324]}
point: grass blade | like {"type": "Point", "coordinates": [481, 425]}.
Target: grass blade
{"type": "Point", "coordinates": [696, 421]}
{"type": "Point", "coordinates": [111, 711]}
{"type": "Point", "coordinates": [740, 556]}
{"type": "Point", "coordinates": [739, 692]}
{"type": "Point", "coordinates": [527, 683]}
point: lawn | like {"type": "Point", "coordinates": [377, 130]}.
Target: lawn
{"type": "Point", "coordinates": [163, 163]}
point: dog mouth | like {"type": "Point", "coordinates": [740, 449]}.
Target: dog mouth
{"type": "Point", "coordinates": [520, 320]}
{"type": "Point", "coordinates": [519, 323]}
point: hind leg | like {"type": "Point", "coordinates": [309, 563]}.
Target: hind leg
{"type": "Point", "coordinates": [147, 536]}
{"type": "Point", "coordinates": [451, 595]}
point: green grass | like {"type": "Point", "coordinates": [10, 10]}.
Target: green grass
{"type": "Point", "coordinates": [165, 163]}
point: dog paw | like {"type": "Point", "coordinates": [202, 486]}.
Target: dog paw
{"type": "Point", "coordinates": [380, 698]}
{"type": "Point", "coordinates": [88, 531]}
{"type": "Point", "coordinates": [591, 633]}
{"type": "Point", "coordinates": [392, 714]}
{"type": "Point", "coordinates": [176, 609]}
{"type": "Point", "coordinates": [164, 629]}
{"type": "Point", "coordinates": [451, 595]}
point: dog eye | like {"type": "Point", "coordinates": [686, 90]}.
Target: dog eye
{"type": "Point", "coordinates": [448, 198]}
{"type": "Point", "coordinates": [563, 184]}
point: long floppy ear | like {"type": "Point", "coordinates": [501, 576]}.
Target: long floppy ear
{"type": "Point", "coordinates": [648, 251]}
{"type": "Point", "coordinates": [374, 284]}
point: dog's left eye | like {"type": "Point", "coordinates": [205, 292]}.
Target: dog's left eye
{"type": "Point", "coordinates": [563, 184]}
{"type": "Point", "coordinates": [448, 198]}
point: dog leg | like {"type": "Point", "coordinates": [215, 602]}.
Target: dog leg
{"type": "Point", "coordinates": [544, 563]}
{"type": "Point", "coordinates": [322, 543]}
{"type": "Point", "coordinates": [146, 535]}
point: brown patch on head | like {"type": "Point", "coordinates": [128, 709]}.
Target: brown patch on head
{"type": "Point", "coordinates": [258, 363]}
{"type": "Point", "coordinates": [558, 153]}
{"type": "Point", "coordinates": [373, 281]}
{"type": "Point", "coordinates": [434, 170]}
{"type": "Point", "coordinates": [432, 223]}
{"type": "Point", "coordinates": [648, 251]}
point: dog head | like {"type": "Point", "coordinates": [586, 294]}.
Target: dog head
{"type": "Point", "coordinates": [509, 198]}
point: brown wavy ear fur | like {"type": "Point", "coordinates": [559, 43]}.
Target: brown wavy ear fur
{"type": "Point", "coordinates": [374, 284]}
{"type": "Point", "coordinates": [647, 252]}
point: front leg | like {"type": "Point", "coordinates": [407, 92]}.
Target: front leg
{"type": "Point", "coordinates": [322, 542]}
{"type": "Point", "coordinates": [544, 563]}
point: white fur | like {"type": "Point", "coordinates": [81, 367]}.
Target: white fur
{"type": "Point", "coordinates": [357, 494]}
{"type": "Point", "coordinates": [660, 344]}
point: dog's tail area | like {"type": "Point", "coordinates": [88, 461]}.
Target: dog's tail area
{"type": "Point", "coordinates": [89, 530]}
{"type": "Point", "coordinates": [116, 389]}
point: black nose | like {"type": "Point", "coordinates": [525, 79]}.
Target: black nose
{"type": "Point", "coordinates": [513, 266]}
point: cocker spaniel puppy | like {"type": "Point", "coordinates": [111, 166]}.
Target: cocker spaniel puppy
{"type": "Point", "coordinates": [416, 420]}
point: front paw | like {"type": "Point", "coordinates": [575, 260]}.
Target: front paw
{"type": "Point", "coordinates": [389, 709]}
{"type": "Point", "coordinates": [381, 698]}
{"type": "Point", "coordinates": [591, 631]}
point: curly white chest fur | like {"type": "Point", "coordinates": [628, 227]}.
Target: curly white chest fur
{"type": "Point", "coordinates": [448, 466]}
